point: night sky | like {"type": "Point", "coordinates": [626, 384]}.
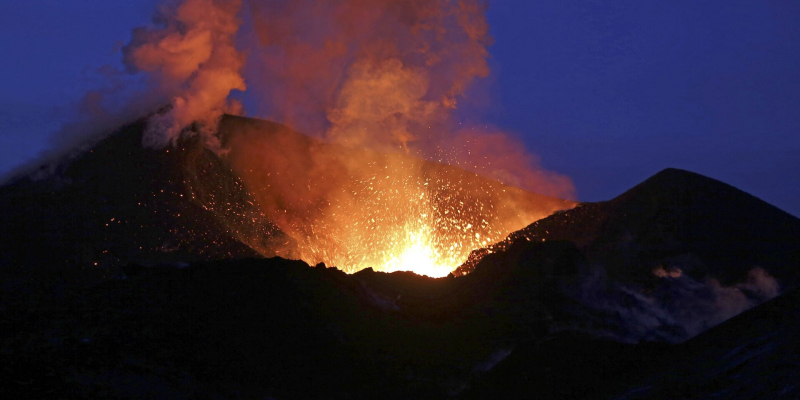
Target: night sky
{"type": "Point", "coordinates": [606, 92]}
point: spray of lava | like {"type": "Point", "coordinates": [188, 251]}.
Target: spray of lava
{"type": "Point", "coordinates": [356, 208]}
{"type": "Point", "coordinates": [379, 81]}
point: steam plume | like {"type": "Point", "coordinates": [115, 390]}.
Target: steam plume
{"type": "Point", "coordinates": [678, 308]}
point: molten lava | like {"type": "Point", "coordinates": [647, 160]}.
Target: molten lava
{"type": "Point", "coordinates": [419, 253]}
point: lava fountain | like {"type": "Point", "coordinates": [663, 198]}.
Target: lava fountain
{"type": "Point", "coordinates": [355, 209]}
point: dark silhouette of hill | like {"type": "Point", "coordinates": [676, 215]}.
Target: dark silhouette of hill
{"type": "Point", "coordinates": [676, 220]}
{"type": "Point", "coordinates": [279, 328]}
{"type": "Point", "coordinates": [273, 327]}
{"type": "Point", "coordinates": [681, 220]}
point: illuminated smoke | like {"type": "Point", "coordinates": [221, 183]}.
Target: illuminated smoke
{"type": "Point", "coordinates": [662, 272]}
{"type": "Point", "coordinates": [189, 51]}
{"type": "Point", "coordinates": [371, 72]}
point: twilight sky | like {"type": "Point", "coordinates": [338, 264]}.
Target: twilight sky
{"type": "Point", "coordinates": [607, 92]}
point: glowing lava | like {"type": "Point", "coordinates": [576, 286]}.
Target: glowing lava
{"type": "Point", "coordinates": [419, 255]}
{"type": "Point", "coordinates": [354, 209]}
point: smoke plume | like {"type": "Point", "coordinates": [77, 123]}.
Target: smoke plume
{"type": "Point", "coordinates": [374, 73]}
{"type": "Point", "coordinates": [379, 74]}
{"type": "Point", "coordinates": [189, 52]}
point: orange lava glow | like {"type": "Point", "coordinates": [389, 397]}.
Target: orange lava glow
{"type": "Point", "coordinates": [355, 209]}
{"type": "Point", "coordinates": [397, 229]}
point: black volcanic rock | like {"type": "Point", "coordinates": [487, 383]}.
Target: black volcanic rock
{"type": "Point", "coordinates": [279, 328]}
{"type": "Point", "coordinates": [255, 328]}
{"type": "Point", "coordinates": [751, 356]}
{"type": "Point", "coordinates": [690, 229]}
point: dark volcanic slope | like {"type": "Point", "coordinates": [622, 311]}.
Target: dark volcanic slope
{"type": "Point", "coordinates": [280, 329]}
{"type": "Point", "coordinates": [120, 202]}
{"type": "Point", "coordinates": [679, 219]}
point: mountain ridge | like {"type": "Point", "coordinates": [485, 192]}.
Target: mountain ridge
{"type": "Point", "coordinates": [676, 219]}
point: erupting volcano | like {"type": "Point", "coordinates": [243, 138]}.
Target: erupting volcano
{"type": "Point", "coordinates": [354, 208]}
{"type": "Point", "coordinates": [391, 177]}
{"type": "Point", "coordinates": [300, 199]}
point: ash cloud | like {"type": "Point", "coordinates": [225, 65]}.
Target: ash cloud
{"type": "Point", "coordinates": [185, 58]}
{"type": "Point", "coordinates": [380, 66]}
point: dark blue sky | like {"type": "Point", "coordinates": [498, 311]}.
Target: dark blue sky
{"type": "Point", "coordinates": [607, 92]}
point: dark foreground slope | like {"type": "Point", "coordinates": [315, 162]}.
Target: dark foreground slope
{"type": "Point", "coordinates": [752, 356]}
{"type": "Point", "coordinates": [281, 329]}
{"type": "Point", "coordinates": [671, 258]}
{"type": "Point", "coordinates": [755, 355]}
{"type": "Point", "coordinates": [256, 328]}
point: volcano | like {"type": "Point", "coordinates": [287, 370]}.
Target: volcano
{"type": "Point", "coordinates": [119, 203]}
{"type": "Point", "coordinates": [130, 272]}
